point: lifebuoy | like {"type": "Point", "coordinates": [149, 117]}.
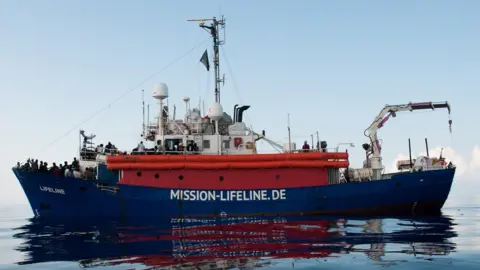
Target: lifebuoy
{"type": "Point", "coordinates": [237, 141]}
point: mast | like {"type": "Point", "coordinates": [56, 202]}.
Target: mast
{"type": "Point", "coordinates": [213, 30]}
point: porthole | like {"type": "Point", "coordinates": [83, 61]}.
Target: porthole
{"type": "Point", "coordinates": [180, 177]}
{"type": "Point", "coordinates": [139, 174]}
{"type": "Point", "coordinates": [157, 176]}
{"type": "Point", "coordinates": [221, 178]}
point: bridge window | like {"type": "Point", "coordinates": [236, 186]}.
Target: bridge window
{"type": "Point", "coordinates": [226, 144]}
{"type": "Point", "coordinates": [206, 144]}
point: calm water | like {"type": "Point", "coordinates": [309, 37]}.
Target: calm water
{"type": "Point", "coordinates": [452, 240]}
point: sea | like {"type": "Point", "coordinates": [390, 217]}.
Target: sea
{"type": "Point", "coordinates": [449, 241]}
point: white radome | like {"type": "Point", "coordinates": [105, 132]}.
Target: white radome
{"type": "Point", "coordinates": [215, 112]}
{"type": "Point", "coordinates": [160, 91]}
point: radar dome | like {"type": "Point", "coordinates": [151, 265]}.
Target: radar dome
{"type": "Point", "coordinates": [160, 91]}
{"type": "Point", "coordinates": [215, 112]}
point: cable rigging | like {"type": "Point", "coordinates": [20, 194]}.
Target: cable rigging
{"type": "Point", "coordinates": [126, 93]}
{"type": "Point", "coordinates": [224, 54]}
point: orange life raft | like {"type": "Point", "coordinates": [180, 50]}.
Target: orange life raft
{"type": "Point", "coordinates": [227, 165]}
{"type": "Point", "coordinates": [216, 162]}
{"type": "Point", "coordinates": [228, 158]}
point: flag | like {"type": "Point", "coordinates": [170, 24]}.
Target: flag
{"type": "Point", "coordinates": [204, 60]}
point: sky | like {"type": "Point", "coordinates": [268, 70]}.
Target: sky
{"type": "Point", "coordinates": [331, 65]}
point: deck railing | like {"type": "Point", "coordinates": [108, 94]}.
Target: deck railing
{"type": "Point", "coordinates": [91, 155]}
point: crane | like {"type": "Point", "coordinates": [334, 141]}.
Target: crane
{"type": "Point", "coordinates": [275, 145]}
{"type": "Point", "coordinates": [384, 115]}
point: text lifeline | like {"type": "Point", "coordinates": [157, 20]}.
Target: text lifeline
{"type": "Point", "coordinates": [53, 190]}
{"type": "Point", "coordinates": [228, 195]}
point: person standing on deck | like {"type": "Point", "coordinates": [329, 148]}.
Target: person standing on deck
{"type": "Point", "coordinates": [75, 163]}
{"type": "Point", "coordinates": [141, 148]}
{"type": "Point", "coordinates": [306, 147]}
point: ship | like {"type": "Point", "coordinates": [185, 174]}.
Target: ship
{"type": "Point", "coordinates": [207, 164]}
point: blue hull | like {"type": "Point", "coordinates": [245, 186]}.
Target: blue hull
{"type": "Point", "coordinates": [417, 193]}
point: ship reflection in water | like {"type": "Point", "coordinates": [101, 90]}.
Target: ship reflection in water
{"type": "Point", "coordinates": [221, 243]}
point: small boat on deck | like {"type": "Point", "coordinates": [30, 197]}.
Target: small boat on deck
{"type": "Point", "coordinates": [207, 164]}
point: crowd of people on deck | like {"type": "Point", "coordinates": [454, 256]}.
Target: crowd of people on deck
{"type": "Point", "coordinates": [65, 169]}
{"type": "Point", "coordinates": [73, 169]}
{"type": "Point", "coordinates": [109, 148]}
{"type": "Point", "coordinates": [174, 148]}
{"type": "Point", "coordinates": [90, 153]}
{"type": "Point", "coordinates": [159, 148]}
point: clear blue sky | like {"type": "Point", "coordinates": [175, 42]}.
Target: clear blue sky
{"type": "Point", "coordinates": [332, 65]}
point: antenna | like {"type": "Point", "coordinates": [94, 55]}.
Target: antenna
{"type": "Point", "coordinates": [143, 112]}
{"type": "Point", "coordinates": [187, 103]}
{"type": "Point", "coordinates": [148, 119]}
{"type": "Point", "coordinates": [199, 106]}
{"type": "Point", "coordinates": [174, 112]}
{"type": "Point", "coordinates": [213, 30]}
{"type": "Point", "coordinates": [289, 137]}
{"type": "Point", "coordinates": [224, 31]}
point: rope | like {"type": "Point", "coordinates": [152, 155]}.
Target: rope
{"type": "Point", "coordinates": [224, 53]}
{"type": "Point", "coordinates": [207, 91]}
{"type": "Point", "coordinates": [125, 94]}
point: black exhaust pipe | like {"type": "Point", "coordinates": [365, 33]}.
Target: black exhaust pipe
{"type": "Point", "coordinates": [235, 113]}
{"type": "Point", "coordinates": [240, 112]}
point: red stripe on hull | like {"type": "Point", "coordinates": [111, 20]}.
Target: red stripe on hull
{"type": "Point", "coordinates": [227, 179]}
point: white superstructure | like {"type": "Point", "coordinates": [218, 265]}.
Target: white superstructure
{"type": "Point", "coordinates": [213, 133]}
